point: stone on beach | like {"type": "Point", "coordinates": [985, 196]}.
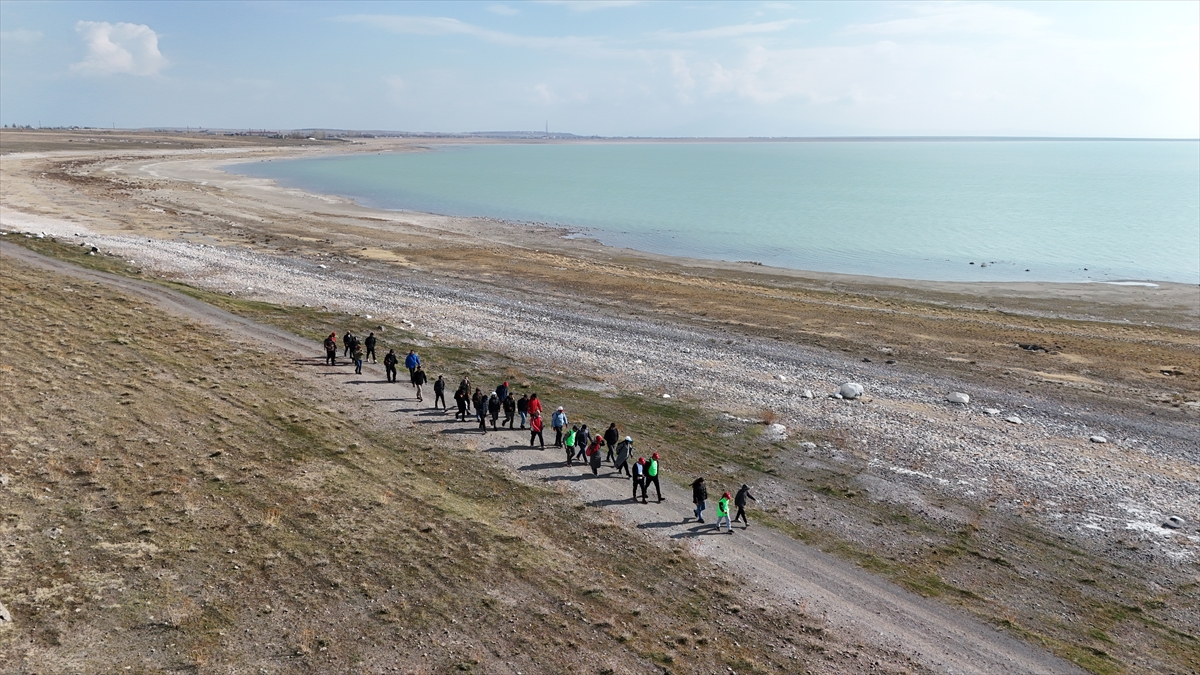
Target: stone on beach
{"type": "Point", "coordinates": [958, 397]}
{"type": "Point", "coordinates": [992, 411]}
{"type": "Point", "coordinates": [1098, 439]}
{"type": "Point", "coordinates": [1013, 420]}
{"type": "Point", "coordinates": [851, 390]}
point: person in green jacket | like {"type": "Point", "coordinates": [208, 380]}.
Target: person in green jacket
{"type": "Point", "coordinates": [569, 442]}
{"type": "Point", "coordinates": [723, 513]}
{"type": "Point", "coordinates": [652, 476]}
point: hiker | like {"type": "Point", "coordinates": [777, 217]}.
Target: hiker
{"type": "Point", "coordinates": [593, 455]}
{"type": "Point", "coordinates": [582, 440]}
{"type": "Point", "coordinates": [510, 410]}
{"type": "Point", "coordinates": [461, 399]}
{"type": "Point", "coordinates": [535, 430]}
{"type": "Point", "coordinates": [356, 353]}
{"type": "Point", "coordinates": [569, 442]}
{"type": "Point", "coordinates": [347, 342]}
{"type": "Point", "coordinates": [723, 513]}
{"type": "Point", "coordinates": [639, 478]}
{"type": "Point", "coordinates": [652, 476]}
{"type": "Point", "coordinates": [624, 450]}
{"type": "Point", "coordinates": [439, 392]}
{"type": "Point", "coordinates": [331, 350]}
{"type": "Point", "coordinates": [370, 344]}
{"type": "Point", "coordinates": [535, 405]}
{"type": "Point", "coordinates": [481, 403]}
{"type": "Point", "coordinates": [412, 361]}
{"type": "Point", "coordinates": [465, 385]}
{"type": "Point", "coordinates": [418, 379]}
{"type": "Point", "coordinates": [502, 391]}
{"type": "Point", "coordinates": [740, 502]}
{"type": "Point", "coordinates": [558, 420]}
{"type": "Point", "coordinates": [523, 408]}
{"type": "Point", "coordinates": [494, 409]}
{"type": "Point", "coordinates": [611, 435]}
{"type": "Point", "coordinates": [389, 364]}
{"type": "Point", "coordinates": [699, 496]}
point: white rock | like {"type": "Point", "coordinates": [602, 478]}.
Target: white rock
{"type": "Point", "coordinates": [776, 432]}
{"type": "Point", "coordinates": [666, 396]}
{"type": "Point", "coordinates": [851, 390]}
{"type": "Point", "coordinates": [429, 335]}
{"type": "Point", "coordinates": [5, 616]}
{"type": "Point", "coordinates": [1013, 420]}
{"type": "Point", "coordinates": [807, 393]}
{"type": "Point", "coordinates": [367, 316]}
{"type": "Point", "coordinates": [808, 445]}
{"type": "Point", "coordinates": [958, 397]}
{"type": "Point", "coordinates": [781, 378]}
{"type": "Point", "coordinates": [1098, 439]}
{"type": "Point", "coordinates": [324, 267]}
{"type": "Point", "coordinates": [1174, 523]}
{"type": "Point", "coordinates": [992, 411]}
{"type": "Point", "coordinates": [638, 361]}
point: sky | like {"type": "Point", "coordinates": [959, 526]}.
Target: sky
{"type": "Point", "coordinates": [621, 68]}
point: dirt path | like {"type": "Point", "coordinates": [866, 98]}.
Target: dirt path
{"type": "Point", "coordinates": [781, 569]}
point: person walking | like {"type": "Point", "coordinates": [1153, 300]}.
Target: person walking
{"type": "Point", "coordinates": [569, 442]}
{"type": "Point", "coordinates": [331, 350]}
{"type": "Point", "coordinates": [699, 496]}
{"type": "Point", "coordinates": [370, 345]}
{"type": "Point", "coordinates": [347, 343]}
{"type": "Point", "coordinates": [593, 455]}
{"type": "Point", "coordinates": [481, 403]}
{"type": "Point", "coordinates": [740, 502]}
{"type": "Point", "coordinates": [582, 440]}
{"type": "Point", "coordinates": [611, 435]}
{"type": "Point", "coordinates": [502, 391]}
{"type": "Point", "coordinates": [624, 451]}
{"type": "Point", "coordinates": [510, 410]}
{"type": "Point", "coordinates": [418, 380]}
{"type": "Point", "coordinates": [723, 513]}
{"type": "Point", "coordinates": [639, 478]}
{"type": "Point", "coordinates": [356, 353]}
{"type": "Point", "coordinates": [652, 476]}
{"type": "Point", "coordinates": [389, 364]}
{"type": "Point", "coordinates": [523, 408]}
{"type": "Point", "coordinates": [494, 409]}
{"type": "Point", "coordinates": [439, 392]}
{"type": "Point", "coordinates": [558, 420]}
{"type": "Point", "coordinates": [461, 399]}
{"type": "Point", "coordinates": [412, 361]}
{"type": "Point", "coordinates": [535, 430]}
{"type": "Point", "coordinates": [535, 405]}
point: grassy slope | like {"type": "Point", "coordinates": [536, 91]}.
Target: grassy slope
{"type": "Point", "coordinates": [175, 502]}
{"type": "Point", "coordinates": [1097, 613]}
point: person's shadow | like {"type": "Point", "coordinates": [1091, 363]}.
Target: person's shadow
{"type": "Point", "coordinates": [701, 530]}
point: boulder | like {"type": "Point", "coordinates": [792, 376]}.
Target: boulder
{"type": "Point", "coordinates": [781, 378]}
{"type": "Point", "coordinates": [958, 397]}
{"type": "Point", "coordinates": [851, 390]}
{"type": "Point", "coordinates": [1174, 523]}
{"type": "Point", "coordinates": [5, 616]}
{"type": "Point", "coordinates": [807, 394]}
{"type": "Point", "coordinates": [808, 445]}
{"type": "Point", "coordinates": [775, 432]}
{"type": "Point", "coordinates": [1098, 439]}
{"type": "Point", "coordinates": [1013, 420]}
{"type": "Point", "coordinates": [992, 411]}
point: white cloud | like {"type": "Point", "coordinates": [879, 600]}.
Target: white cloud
{"type": "Point", "coordinates": [590, 5]}
{"type": "Point", "coordinates": [437, 25]}
{"type": "Point", "coordinates": [20, 35]}
{"type": "Point", "coordinates": [737, 30]}
{"type": "Point", "coordinates": [503, 10]}
{"type": "Point", "coordinates": [119, 48]}
{"type": "Point", "coordinates": [941, 18]}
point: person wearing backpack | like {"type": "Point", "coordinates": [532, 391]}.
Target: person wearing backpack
{"type": "Point", "coordinates": [558, 420]}
{"type": "Point", "coordinates": [624, 451]}
{"type": "Point", "coordinates": [699, 496]}
{"type": "Point", "coordinates": [389, 364]}
{"type": "Point", "coordinates": [593, 455]}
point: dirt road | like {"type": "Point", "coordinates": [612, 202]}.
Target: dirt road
{"type": "Point", "coordinates": [786, 571]}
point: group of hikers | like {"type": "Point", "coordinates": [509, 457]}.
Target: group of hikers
{"type": "Point", "coordinates": [578, 442]}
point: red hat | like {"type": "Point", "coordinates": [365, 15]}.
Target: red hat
{"type": "Point", "coordinates": [641, 460]}
{"type": "Point", "coordinates": [655, 455]}
{"type": "Point", "coordinates": [725, 495]}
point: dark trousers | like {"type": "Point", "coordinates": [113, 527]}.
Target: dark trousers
{"type": "Point", "coordinates": [439, 396]}
{"type": "Point", "coordinates": [482, 421]}
{"type": "Point", "coordinates": [331, 357]}
{"type": "Point", "coordinates": [495, 416]}
{"type": "Point", "coordinates": [570, 455]}
{"type": "Point", "coordinates": [624, 466]}
{"type": "Point", "coordinates": [508, 419]}
{"type": "Point", "coordinates": [371, 354]}
{"type": "Point", "coordinates": [462, 411]}
{"type": "Point", "coordinates": [558, 437]}
{"type": "Point", "coordinates": [653, 480]}
{"type": "Point", "coordinates": [639, 482]}
{"type": "Point", "coordinates": [358, 366]}
{"type": "Point", "coordinates": [741, 513]}
{"type": "Point", "coordinates": [391, 373]}
{"type": "Point", "coordinates": [580, 451]}
{"type": "Point", "coordinates": [610, 457]}
{"type": "Point", "coordinates": [536, 435]}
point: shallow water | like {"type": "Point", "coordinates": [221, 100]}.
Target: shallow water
{"type": "Point", "coordinates": [1018, 210]}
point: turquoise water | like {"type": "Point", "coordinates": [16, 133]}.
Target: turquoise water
{"type": "Point", "coordinates": [1031, 210]}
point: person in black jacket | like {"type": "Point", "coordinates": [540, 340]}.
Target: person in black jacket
{"type": "Point", "coordinates": [494, 409]}
{"type": "Point", "coordinates": [418, 379]}
{"type": "Point", "coordinates": [481, 406]}
{"type": "Point", "coordinates": [740, 502]}
{"type": "Point", "coordinates": [439, 392]}
{"type": "Point", "coordinates": [523, 408]}
{"type": "Point", "coordinates": [639, 478]}
{"type": "Point", "coordinates": [389, 364]}
{"type": "Point", "coordinates": [510, 410]}
{"type": "Point", "coordinates": [699, 496]}
{"type": "Point", "coordinates": [611, 436]}
{"type": "Point", "coordinates": [462, 397]}
{"type": "Point", "coordinates": [369, 343]}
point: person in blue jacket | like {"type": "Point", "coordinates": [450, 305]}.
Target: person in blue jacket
{"type": "Point", "coordinates": [557, 421]}
{"type": "Point", "coordinates": [411, 362]}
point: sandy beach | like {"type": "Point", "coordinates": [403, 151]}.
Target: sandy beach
{"type": "Point", "coordinates": [1087, 435]}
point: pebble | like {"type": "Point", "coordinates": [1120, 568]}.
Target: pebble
{"type": "Point", "coordinates": [807, 394]}
{"type": "Point", "coordinates": [666, 396]}
{"type": "Point", "coordinates": [958, 397]}
{"type": "Point", "coordinates": [1098, 439]}
{"type": "Point", "coordinates": [851, 390]}
{"type": "Point", "coordinates": [5, 616]}
{"type": "Point", "coordinates": [992, 411]}
{"type": "Point", "coordinates": [781, 378]}
{"type": "Point", "coordinates": [808, 445]}
{"type": "Point", "coordinates": [1013, 420]}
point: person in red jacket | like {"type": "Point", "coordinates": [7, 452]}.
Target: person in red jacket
{"type": "Point", "coordinates": [331, 350]}
{"type": "Point", "coordinates": [535, 429]}
{"type": "Point", "coordinates": [593, 454]}
{"type": "Point", "coordinates": [535, 405]}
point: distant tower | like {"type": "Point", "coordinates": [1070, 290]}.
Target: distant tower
{"type": "Point", "coordinates": [547, 127]}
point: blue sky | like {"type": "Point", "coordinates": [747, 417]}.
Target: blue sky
{"type": "Point", "coordinates": [610, 68]}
